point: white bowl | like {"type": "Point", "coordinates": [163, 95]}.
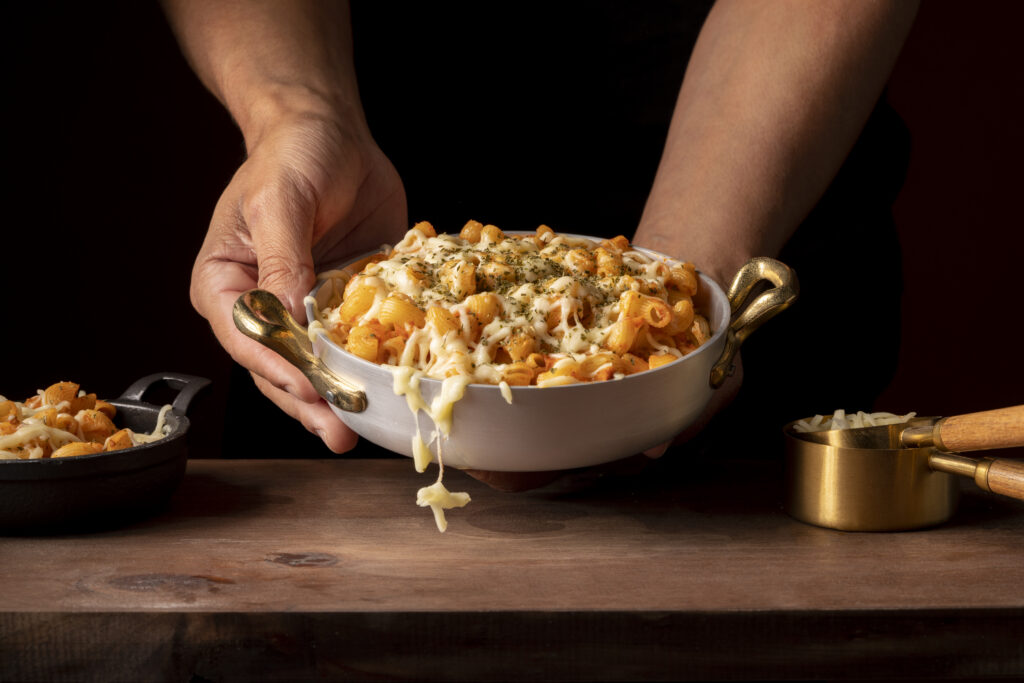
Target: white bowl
{"type": "Point", "coordinates": [561, 427]}
{"type": "Point", "coordinates": [549, 428]}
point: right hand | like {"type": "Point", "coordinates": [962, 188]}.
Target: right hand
{"type": "Point", "coordinates": [314, 189]}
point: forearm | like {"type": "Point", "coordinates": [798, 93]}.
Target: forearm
{"type": "Point", "coordinates": [264, 59]}
{"type": "Point", "coordinates": [774, 97]}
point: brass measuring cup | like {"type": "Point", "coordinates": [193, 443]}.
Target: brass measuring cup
{"type": "Point", "coordinates": [899, 477]}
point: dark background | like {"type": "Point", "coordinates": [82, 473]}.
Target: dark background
{"type": "Point", "coordinates": [116, 155]}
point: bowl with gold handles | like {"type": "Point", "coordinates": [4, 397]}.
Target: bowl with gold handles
{"type": "Point", "coordinates": [522, 428]}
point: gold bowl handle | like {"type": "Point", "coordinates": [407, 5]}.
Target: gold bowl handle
{"type": "Point", "coordinates": [261, 316]}
{"type": "Point", "coordinates": [778, 297]}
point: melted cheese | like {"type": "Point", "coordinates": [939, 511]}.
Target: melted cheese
{"type": "Point", "coordinates": [440, 499]}
{"type": "Point", "coordinates": [160, 430]}
{"type": "Point", "coordinates": [406, 382]}
{"type": "Point", "coordinates": [28, 433]}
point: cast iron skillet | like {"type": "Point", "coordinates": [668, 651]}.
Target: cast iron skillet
{"type": "Point", "coordinates": [93, 492]}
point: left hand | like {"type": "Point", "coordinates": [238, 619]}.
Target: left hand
{"type": "Point", "coordinates": [314, 189]}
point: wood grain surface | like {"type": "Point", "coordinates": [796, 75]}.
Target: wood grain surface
{"type": "Point", "coordinates": [1000, 428]}
{"type": "Point", "coordinates": [1006, 477]}
{"type": "Point", "coordinates": [307, 569]}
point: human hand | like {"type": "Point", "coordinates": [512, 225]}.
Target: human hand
{"type": "Point", "coordinates": [314, 189]}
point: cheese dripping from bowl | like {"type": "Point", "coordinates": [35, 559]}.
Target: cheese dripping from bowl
{"type": "Point", "coordinates": [405, 382]}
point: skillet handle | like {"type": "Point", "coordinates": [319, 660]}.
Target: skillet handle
{"type": "Point", "coordinates": [188, 387]}
{"type": "Point", "coordinates": [777, 298]}
{"type": "Point", "coordinates": [261, 316]}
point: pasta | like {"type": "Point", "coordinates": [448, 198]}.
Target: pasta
{"type": "Point", "coordinates": [62, 421]}
{"type": "Point", "coordinates": [482, 302]}
{"type": "Point", "coordinates": [541, 309]}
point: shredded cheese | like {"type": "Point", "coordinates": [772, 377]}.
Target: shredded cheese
{"type": "Point", "coordinates": [840, 420]}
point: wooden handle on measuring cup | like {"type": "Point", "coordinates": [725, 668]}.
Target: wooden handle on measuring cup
{"type": "Point", "coordinates": [1006, 477]}
{"type": "Point", "coordinates": [998, 475]}
{"type": "Point", "coordinates": [1001, 428]}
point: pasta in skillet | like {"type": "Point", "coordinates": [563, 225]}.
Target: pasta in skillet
{"type": "Point", "coordinates": [541, 309]}
{"type": "Point", "coordinates": [62, 421]}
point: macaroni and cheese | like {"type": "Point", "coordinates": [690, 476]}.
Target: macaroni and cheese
{"type": "Point", "coordinates": [63, 421]}
{"type": "Point", "coordinates": [540, 309]}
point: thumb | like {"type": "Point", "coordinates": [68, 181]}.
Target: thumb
{"type": "Point", "coordinates": [280, 219]}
